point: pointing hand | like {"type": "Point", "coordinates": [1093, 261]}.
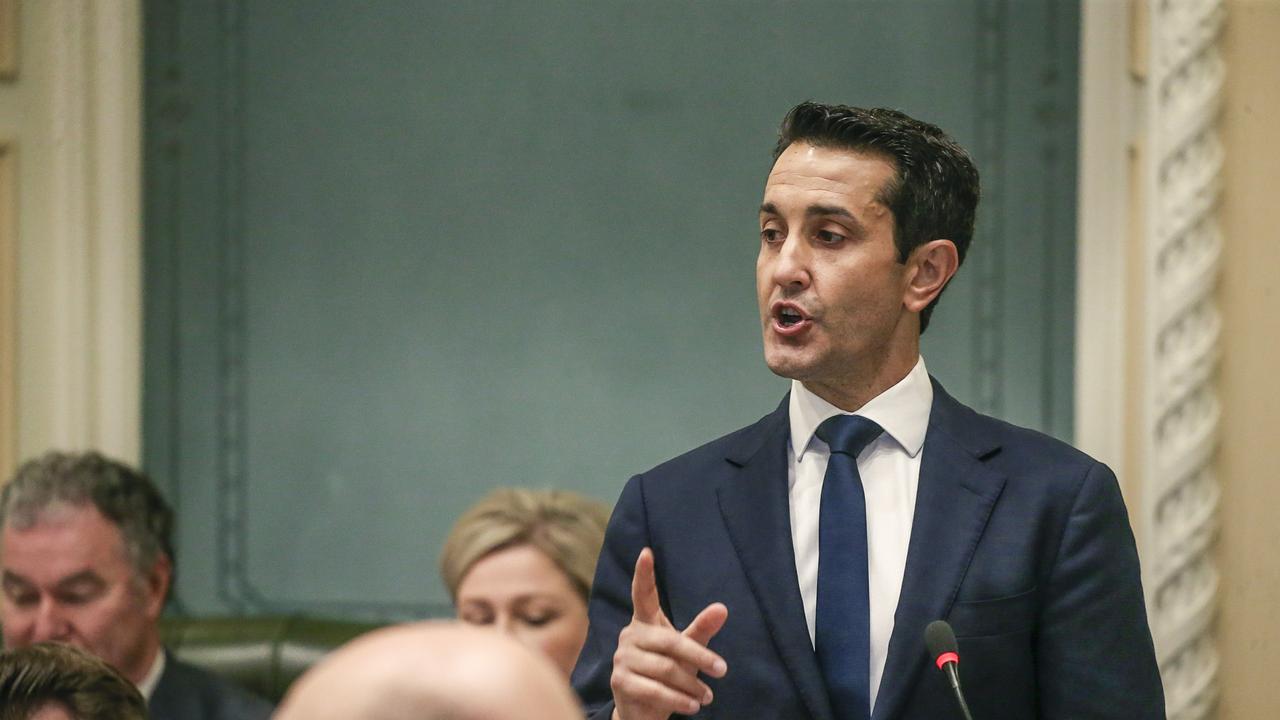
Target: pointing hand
{"type": "Point", "coordinates": [655, 669]}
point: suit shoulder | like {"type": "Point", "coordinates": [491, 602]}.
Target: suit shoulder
{"type": "Point", "coordinates": [185, 689]}
{"type": "Point", "coordinates": [1007, 444]}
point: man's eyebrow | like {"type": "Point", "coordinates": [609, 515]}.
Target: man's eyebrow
{"type": "Point", "coordinates": [769, 208]}
{"type": "Point", "coordinates": [836, 211]}
{"type": "Point", "coordinates": [8, 577]}
{"type": "Point", "coordinates": [815, 210]}
{"type": "Point", "coordinates": [80, 578]}
{"type": "Point", "coordinates": [11, 578]}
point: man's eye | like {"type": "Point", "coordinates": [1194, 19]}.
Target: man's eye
{"type": "Point", "coordinates": [770, 235]}
{"type": "Point", "coordinates": [22, 599]}
{"type": "Point", "coordinates": [828, 237]}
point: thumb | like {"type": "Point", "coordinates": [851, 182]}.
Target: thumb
{"type": "Point", "coordinates": [707, 623]}
{"type": "Point", "coordinates": [646, 608]}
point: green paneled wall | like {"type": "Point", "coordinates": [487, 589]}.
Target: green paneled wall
{"type": "Point", "coordinates": [398, 253]}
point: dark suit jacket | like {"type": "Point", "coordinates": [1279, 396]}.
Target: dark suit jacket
{"type": "Point", "coordinates": [1021, 542]}
{"type": "Point", "coordinates": [186, 692]}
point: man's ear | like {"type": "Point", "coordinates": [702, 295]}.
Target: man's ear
{"type": "Point", "coordinates": [157, 586]}
{"type": "Point", "coordinates": [929, 268]}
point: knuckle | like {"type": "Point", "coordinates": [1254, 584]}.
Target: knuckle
{"type": "Point", "coordinates": [623, 685]}
{"type": "Point", "coordinates": [669, 667]}
{"type": "Point", "coordinates": [666, 642]}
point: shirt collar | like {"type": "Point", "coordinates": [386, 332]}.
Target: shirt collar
{"type": "Point", "coordinates": [148, 685]}
{"type": "Point", "coordinates": [902, 410]}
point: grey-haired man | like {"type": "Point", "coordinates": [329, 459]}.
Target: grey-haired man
{"type": "Point", "coordinates": [86, 559]}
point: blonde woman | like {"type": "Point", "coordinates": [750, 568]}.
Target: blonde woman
{"type": "Point", "coordinates": [522, 561]}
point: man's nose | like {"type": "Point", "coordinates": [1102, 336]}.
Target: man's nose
{"type": "Point", "coordinates": [50, 623]}
{"type": "Point", "coordinates": [791, 267]}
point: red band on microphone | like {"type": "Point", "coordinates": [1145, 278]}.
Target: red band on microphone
{"type": "Point", "coordinates": [947, 657]}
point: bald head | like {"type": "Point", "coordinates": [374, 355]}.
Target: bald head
{"type": "Point", "coordinates": [431, 671]}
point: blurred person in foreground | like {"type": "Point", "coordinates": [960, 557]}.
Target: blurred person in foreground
{"type": "Point", "coordinates": [86, 558]}
{"type": "Point", "coordinates": [522, 561]}
{"type": "Point", "coordinates": [52, 681]}
{"type": "Point", "coordinates": [432, 671]}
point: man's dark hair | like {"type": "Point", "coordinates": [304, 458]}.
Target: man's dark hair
{"type": "Point", "coordinates": [934, 194]}
{"type": "Point", "coordinates": [122, 494]}
{"type": "Point", "coordinates": [36, 676]}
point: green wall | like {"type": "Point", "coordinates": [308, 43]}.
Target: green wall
{"type": "Point", "coordinates": [398, 253]}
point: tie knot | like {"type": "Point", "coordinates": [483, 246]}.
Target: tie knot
{"type": "Point", "coordinates": [848, 434]}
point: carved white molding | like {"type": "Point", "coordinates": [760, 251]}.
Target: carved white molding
{"type": "Point", "coordinates": [1155, 126]}
{"type": "Point", "coordinates": [1180, 175]}
{"type": "Point", "coordinates": [80, 238]}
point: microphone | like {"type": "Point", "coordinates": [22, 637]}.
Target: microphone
{"type": "Point", "coordinates": [946, 655]}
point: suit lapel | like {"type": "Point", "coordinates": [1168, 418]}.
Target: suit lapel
{"type": "Point", "coordinates": [953, 503]}
{"type": "Point", "coordinates": [756, 510]}
{"type": "Point", "coordinates": [170, 700]}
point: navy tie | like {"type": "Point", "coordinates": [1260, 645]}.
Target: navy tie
{"type": "Point", "coordinates": [842, 628]}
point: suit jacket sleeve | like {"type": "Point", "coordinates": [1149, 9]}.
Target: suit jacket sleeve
{"type": "Point", "coordinates": [1094, 656]}
{"type": "Point", "coordinates": [610, 606]}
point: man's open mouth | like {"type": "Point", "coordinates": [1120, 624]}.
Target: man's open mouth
{"type": "Point", "coordinates": [789, 316]}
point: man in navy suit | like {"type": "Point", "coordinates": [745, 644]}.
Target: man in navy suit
{"type": "Point", "coordinates": [789, 569]}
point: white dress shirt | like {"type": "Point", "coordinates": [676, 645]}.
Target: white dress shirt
{"type": "Point", "coordinates": [148, 685]}
{"type": "Point", "coordinates": [890, 471]}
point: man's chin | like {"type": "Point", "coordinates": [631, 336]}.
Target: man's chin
{"type": "Point", "coordinates": [787, 365]}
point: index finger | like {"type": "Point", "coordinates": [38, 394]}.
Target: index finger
{"type": "Point", "coordinates": [644, 592]}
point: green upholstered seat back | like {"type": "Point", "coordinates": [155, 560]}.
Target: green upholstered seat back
{"type": "Point", "coordinates": [263, 654]}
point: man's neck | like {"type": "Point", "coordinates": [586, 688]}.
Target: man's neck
{"type": "Point", "coordinates": [144, 661]}
{"type": "Point", "coordinates": [858, 388]}
{"type": "Point", "coordinates": [150, 679]}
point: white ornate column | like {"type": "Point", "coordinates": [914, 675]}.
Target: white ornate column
{"type": "Point", "coordinates": [1180, 175]}
{"type": "Point", "coordinates": [79, 231]}
{"type": "Point", "coordinates": [1148, 325]}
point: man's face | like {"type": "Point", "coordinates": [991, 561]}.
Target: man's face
{"type": "Point", "coordinates": [68, 578]}
{"type": "Point", "coordinates": [828, 280]}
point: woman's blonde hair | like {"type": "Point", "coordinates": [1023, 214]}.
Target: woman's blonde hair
{"type": "Point", "coordinates": [565, 526]}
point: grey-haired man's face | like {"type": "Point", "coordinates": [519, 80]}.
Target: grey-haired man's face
{"type": "Point", "coordinates": [68, 578]}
